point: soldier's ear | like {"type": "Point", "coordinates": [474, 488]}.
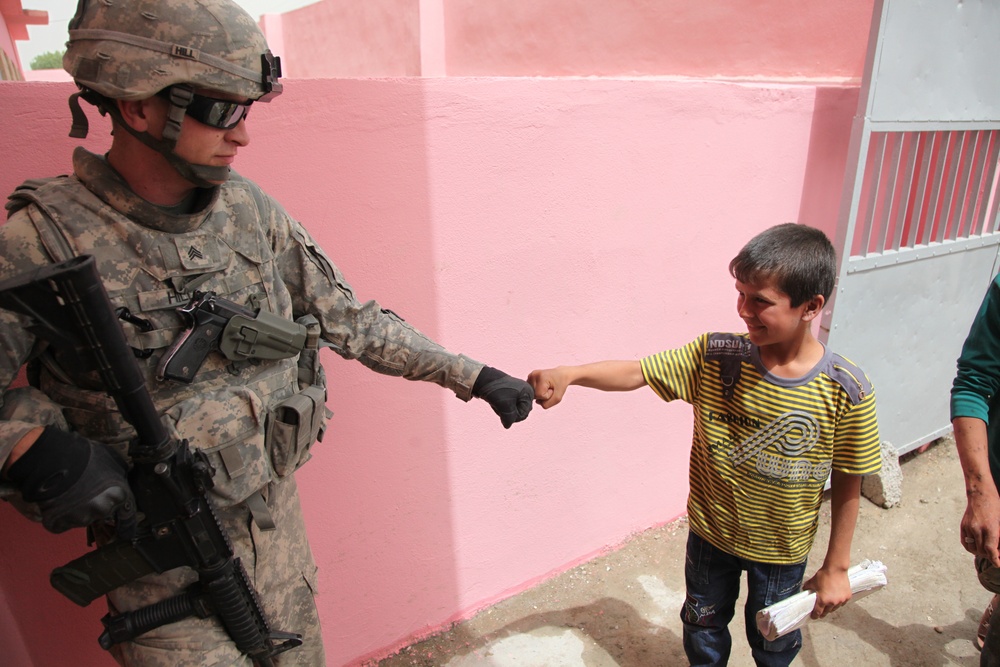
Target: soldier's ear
{"type": "Point", "coordinates": [139, 114]}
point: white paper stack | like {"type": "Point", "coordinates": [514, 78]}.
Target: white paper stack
{"type": "Point", "coordinates": [783, 617]}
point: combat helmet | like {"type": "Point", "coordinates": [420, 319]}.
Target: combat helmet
{"type": "Point", "coordinates": [133, 49]}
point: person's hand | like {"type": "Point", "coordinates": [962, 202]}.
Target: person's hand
{"type": "Point", "coordinates": [980, 527]}
{"type": "Point", "coordinates": [832, 588]}
{"type": "Point", "coordinates": [549, 385]}
{"type": "Point", "coordinates": [509, 397]}
{"type": "Point", "coordinates": [75, 482]}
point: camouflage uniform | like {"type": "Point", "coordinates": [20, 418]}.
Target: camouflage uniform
{"type": "Point", "coordinates": [243, 246]}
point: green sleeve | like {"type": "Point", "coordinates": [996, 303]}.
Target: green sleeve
{"type": "Point", "coordinates": [978, 375]}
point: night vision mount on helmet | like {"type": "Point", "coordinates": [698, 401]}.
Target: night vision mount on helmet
{"type": "Point", "coordinates": [133, 49]}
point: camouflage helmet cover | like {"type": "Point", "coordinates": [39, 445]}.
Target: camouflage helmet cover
{"type": "Point", "coordinates": [132, 49]}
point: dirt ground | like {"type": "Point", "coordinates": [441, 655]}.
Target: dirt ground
{"type": "Point", "coordinates": [621, 609]}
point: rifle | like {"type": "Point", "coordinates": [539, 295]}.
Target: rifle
{"type": "Point", "coordinates": [69, 308]}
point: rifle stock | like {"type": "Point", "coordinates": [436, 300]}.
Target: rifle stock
{"type": "Point", "coordinates": [69, 307]}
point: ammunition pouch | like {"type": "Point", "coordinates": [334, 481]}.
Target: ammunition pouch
{"type": "Point", "coordinates": [294, 425]}
{"type": "Point", "coordinates": [300, 420]}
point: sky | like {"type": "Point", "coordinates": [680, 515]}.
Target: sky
{"type": "Point", "coordinates": [52, 37]}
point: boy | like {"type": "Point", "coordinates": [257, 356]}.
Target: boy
{"type": "Point", "coordinates": [775, 412]}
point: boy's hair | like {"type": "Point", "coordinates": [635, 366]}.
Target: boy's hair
{"type": "Point", "coordinates": [799, 258]}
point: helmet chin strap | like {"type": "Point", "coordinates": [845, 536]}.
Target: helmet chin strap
{"type": "Point", "coordinates": [201, 175]}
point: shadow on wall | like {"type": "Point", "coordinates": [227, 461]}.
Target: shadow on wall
{"type": "Point", "coordinates": [829, 140]}
{"type": "Point", "coordinates": [376, 493]}
{"type": "Point", "coordinates": [54, 630]}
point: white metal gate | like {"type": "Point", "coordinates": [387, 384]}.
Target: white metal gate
{"type": "Point", "coordinates": [918, 225]}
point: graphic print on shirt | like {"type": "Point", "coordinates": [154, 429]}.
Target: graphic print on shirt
{"type": "Point", "coordinates": [791, 434]}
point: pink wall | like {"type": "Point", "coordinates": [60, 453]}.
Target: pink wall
{"type": "Point", "coordinates": [757, 39]}
{"type": "Point", "coordinates": [736, 38]}
{"type": "Point", "coordinates": [526, 223]}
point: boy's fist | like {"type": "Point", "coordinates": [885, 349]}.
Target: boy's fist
{"type": "Point", "coordinates": [549, 385]}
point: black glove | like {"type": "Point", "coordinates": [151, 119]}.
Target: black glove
{"type": "Point", "coordinates": [509, 397]}
{"type": "Point", "coordinates": [75, 482]}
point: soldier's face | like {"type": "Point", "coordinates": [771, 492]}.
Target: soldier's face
{"type": "Point", "coordinates": [206, 145]}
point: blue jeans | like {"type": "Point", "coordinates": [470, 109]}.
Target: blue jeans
{"type": "Point", "coordinates": [713, 585]}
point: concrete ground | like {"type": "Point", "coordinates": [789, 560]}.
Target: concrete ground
{"type": "Point", "coordinates": [621, 609]}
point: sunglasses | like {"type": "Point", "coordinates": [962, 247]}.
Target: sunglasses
{"type": "Point", "coordinates": [222, 114]}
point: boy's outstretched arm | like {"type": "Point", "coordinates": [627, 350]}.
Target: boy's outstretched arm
{"type": "Point", "coordinates": [550, 384]}
{"type": "Point", "coordinates": [831, 583]}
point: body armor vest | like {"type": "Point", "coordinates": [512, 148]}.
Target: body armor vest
{"type": "Point", "coordinates": [236, 411]}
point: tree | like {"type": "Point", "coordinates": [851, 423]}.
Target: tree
{"type": "Point", "coordinates": [48, 60]}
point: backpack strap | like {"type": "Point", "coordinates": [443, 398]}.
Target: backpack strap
{"type": "Point", "coordinates": [730, 351]}
{"type": "Point", "coordinates": [730, 369]}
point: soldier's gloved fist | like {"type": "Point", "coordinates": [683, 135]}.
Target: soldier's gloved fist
{"type": "Point", "coordinates": [75, 482]}
{"type": "Point", "coordinates": [509, 397]}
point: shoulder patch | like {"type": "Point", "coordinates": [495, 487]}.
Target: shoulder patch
{"type": "Point", "coordinates": [849, 376]}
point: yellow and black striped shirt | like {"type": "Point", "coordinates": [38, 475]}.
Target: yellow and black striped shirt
{"type": "Point", "coordinates": [763, 445]}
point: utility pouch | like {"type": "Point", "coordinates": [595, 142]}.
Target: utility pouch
{"type": "Point", "coordinates": [294, 425]}
{"type": "Point", "coordinates": [228, 425]}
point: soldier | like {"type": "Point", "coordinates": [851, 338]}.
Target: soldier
{"type": "Point", "coordinates": [164, 216]}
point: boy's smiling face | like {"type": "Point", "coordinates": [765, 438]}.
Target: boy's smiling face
{"type": "Point", "coordinates": [770, 317]}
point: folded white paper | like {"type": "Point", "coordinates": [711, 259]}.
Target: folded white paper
{"type": "Point", "coordinates": [782, 617]}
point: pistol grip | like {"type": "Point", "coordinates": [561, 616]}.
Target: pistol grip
{"type": "Point", "coordinates": [182, 361]}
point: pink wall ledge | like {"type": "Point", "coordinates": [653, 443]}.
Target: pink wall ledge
{"type": "Point", "coordinates": [736, 39]}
